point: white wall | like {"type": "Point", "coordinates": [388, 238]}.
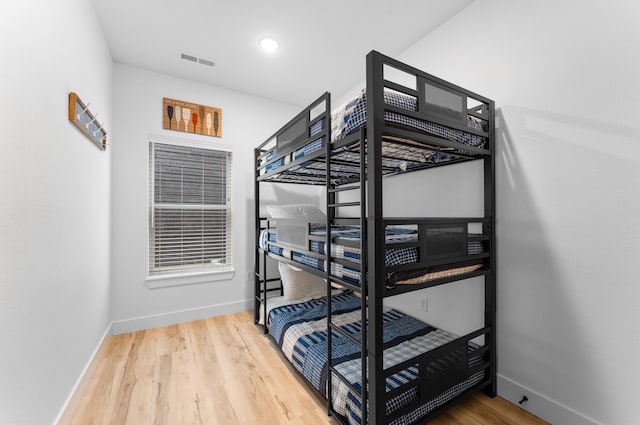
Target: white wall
{"type": "Point", "coordinates": [451, 191]}
{"type": "Point", "coordinates": [246, 122]}
{"type": "Point", "coordinates": [565, 81]}
{"type": "Point", "coordinates": [54, 205]}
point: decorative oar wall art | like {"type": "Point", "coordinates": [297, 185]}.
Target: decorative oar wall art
{"type": "Point", "coordinates": [191, 118]}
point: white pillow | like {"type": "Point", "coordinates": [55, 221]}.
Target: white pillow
{"type": "Point", "coordinates": [306, 211]}
{"type": "Point", "coordinates": [298, 284]}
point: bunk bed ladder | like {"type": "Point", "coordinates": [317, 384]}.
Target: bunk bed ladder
{"type": "Point", "coordinates": [256, 246]}
{"type": "Point", "coordinates": [332, 207]}
{"type": "Point", "coordinates": [260, 280]}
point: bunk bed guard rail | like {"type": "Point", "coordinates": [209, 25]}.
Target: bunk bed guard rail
{"type": "Point", "coordinates": [294, 233]}
{"type": "Point", "coordinates": [442, 368]}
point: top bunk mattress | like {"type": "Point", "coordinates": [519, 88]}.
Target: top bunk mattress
{"type": "Point", "coordinates": [351, 116]}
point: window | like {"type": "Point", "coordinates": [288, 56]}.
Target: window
{"type": "Point", "coordinates": [190, 210]}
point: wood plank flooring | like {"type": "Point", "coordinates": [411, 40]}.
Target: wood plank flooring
{"type": "Point", "coordinates": [224, 371]}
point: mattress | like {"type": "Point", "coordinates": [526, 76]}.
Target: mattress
{"type": "Point", "coordinates": [353, 114]}
{"type": "Point", "coordinates": [349, 117]}
{"type": "Point", "coordinates": [393, 256]}
{"type": "Point", "coordinates": [301, 329]}
{"type": "Point", "coordinates": [275, 301]}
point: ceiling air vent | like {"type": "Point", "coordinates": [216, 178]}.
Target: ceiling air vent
{"type": "Point", "coordinates": [206, 62]}
{"type": "Point", "coordinates": [189, 57]}
{"type": "Point", "coordinates": [197, 60]}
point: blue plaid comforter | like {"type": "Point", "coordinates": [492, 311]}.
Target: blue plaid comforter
{"type": "Point", "coordinates": [393, 256]}
{"type": "Point", "coordinates": [301, 332]}
{"type": "Point", "coordinates": [352, 115]}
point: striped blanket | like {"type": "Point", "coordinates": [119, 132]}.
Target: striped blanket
{"type": "Point", "coordinates": [301, 332]}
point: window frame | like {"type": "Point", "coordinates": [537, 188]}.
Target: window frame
{"type": "Point", "coordinates": [183, 277]}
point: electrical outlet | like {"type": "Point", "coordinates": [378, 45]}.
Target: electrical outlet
{"type": "Point", "coordinates": [424, 304]}
{"type": "Point", "coordinates": [249, 276]}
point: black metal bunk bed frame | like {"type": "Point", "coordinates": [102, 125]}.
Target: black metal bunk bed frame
{"type": "Point", "coordinates": [448, 364]}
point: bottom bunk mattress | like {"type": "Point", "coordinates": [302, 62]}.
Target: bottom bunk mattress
{"type": "Point", "coordinates": [301, 332]}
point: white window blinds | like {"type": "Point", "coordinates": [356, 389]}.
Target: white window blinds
{"type": "Point", "coordinates": [190, 210]}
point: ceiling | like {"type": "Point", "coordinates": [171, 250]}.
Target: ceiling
{"type": "Point", "coordinates": [322, 44]}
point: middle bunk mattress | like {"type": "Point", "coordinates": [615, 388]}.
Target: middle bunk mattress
{"type": "Point", "coordinates": [345, 246]}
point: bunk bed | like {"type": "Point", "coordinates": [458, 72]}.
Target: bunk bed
{"type": "Point", "coordinates": [376, 365]}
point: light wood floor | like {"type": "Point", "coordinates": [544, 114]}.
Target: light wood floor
{"type": "Point", "coordinates": [224, 371]}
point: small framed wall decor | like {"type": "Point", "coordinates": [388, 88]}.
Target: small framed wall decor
{"type": "Point", "coordinates": [190, 117]}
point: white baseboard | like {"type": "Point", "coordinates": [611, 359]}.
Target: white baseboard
{"type": "Point", "coordinates": [540, 405]}
{"type": "Point", "coordinates": [73, 400]}
{"type": "Point", "coordinates": [175, 317]}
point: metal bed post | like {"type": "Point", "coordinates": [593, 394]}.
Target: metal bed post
{"type": "Point", "coordinates": [490, 229]}
{"type": "Point", "coordinates": [264, 289]}
{"type": "Point", "coordinates": [330, 199]}
{"type": "Point", "coordinates": [363, 275]}
{"type": "Point", "coordinates": [375, 240]}
{"type": "Point", "coordinates": [332, 204]}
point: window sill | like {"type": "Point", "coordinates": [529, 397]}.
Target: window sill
{"type": "Point", "coordinates": [188, 279]}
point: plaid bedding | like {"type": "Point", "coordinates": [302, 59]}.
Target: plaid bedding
{"type": "Point", "coordinates": [352, 115]}
{"type": "Point", "coordinates": [301, 332]}
{"type": "Point", "coordinates": [275, 165]}
{"type": "Point", "coordinates": [305, 150]}
{"type": "Point", "coordinates": [393, 256]}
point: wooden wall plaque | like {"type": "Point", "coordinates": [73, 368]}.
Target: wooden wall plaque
{"type": "Point", "coordinates": [190, 117]}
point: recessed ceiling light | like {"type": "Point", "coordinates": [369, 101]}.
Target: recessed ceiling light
{"type": "Point", "coordinates": [269, 44]}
